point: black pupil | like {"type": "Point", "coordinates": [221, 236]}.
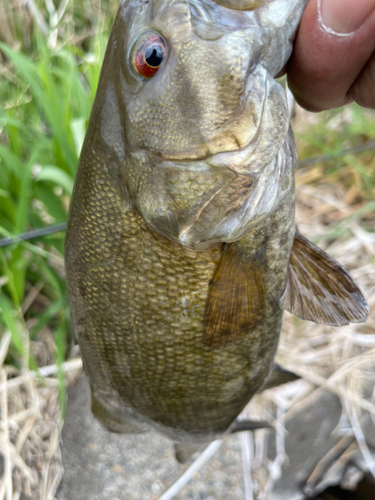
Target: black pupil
{"type": "Point", "coordinates": [154, 55]}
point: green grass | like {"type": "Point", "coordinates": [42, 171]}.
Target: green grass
{"type": "Point", "coordinates": [336, 130]}
{"type": "Point", "coordinates": [46, 93]}
{"type": "Point", "coordinates": [331, 132]}
{"type": "Point", "coordinates": [47, 86]}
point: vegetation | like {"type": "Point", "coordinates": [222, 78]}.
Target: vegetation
{"type": "Point", "coordinates": [50, 59]}
{"type": "Point", "coordinates": [50, 63]}
{"type": "Point", "coordinates": [50, 55]}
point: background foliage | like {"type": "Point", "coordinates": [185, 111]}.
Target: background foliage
{"type": "Point", "coordinates": [50, 57]}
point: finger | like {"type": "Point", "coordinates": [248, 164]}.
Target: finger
{"type": "Point", "coordinates": [333, 44]}
{"type": "Point", "coordinates": [363, 89]}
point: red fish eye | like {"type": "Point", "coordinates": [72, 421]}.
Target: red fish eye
{"type": "Point", "coordinates": [149, 56]}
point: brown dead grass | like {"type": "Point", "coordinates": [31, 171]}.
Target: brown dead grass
{"type": "Point", "coordinates": [339, 360]}
{"type": "Point", "coordinates": [30, 426]}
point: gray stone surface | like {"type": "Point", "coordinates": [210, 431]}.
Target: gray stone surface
{"type": "Point", "coordinates": [309, 439]}
{"type": "Point", "coordinates": [100, 465]}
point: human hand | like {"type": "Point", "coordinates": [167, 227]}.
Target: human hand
{"type": "Point", "coordinates": [333, 60]}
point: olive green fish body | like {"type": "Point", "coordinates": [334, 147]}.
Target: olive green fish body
{"type": "Point", "coordinates": [181, 249]}
{"type": "Point", "coordinates": [138, 305]}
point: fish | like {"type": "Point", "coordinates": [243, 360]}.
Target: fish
{"type": "Point", "coordinates": [182, 251]}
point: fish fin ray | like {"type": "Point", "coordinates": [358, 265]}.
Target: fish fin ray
{"type": "Point", "coordinates": [279, 376]}
{"type": "Point", "coordinates": [319, 289]}
{"type": "Point", "coordinates": [249, 425]}
{"type": "Point", "coordinates": [125, 425]}
{"type": "Point", "coordinates": [235, 303]}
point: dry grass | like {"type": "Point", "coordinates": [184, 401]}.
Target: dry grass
{"type": "Point", "coordinates": [30, 427]}
{"type": "Point", "coordinates": [339, 360]}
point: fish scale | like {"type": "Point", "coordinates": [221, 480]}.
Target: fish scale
{"type": "Point", "coordinates": [159, 365]}
{"type": "Point", "coordinates": [181, 245]}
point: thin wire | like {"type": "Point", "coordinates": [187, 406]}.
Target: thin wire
{"type": "Point", "coordinates": [33, 234]}
{"type": "Point", "coordinates": [367, 146]}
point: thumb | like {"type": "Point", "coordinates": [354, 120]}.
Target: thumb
{"type": "Point", "coordinates": [332, 61]}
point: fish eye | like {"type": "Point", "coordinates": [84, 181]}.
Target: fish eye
{"type": "Point", "coordinates": [149, 55]}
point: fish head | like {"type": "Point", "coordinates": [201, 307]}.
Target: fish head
{"type": "Point", "coordinates": [189, 104]}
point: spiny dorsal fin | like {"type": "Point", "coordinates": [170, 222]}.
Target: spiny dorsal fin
{"type": "Point", "coordinates": [319, 289]}
{"type": "Point", "coordinates": [235, 303]}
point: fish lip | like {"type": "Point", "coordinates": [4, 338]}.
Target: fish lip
{"type": "Point", "coordinates": [200, 153]}
{"type": "Point", "coordinates": [214, 161]}
{"type": "Point", "coordinates": [183, 156]}
{"type": "Point", "coordinates": [243, 160]}
{"type": "Point", "coordinates": [188, 157]}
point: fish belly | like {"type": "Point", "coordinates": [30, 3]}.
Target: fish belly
{"type": "Point", "coordinates": [137, 303]}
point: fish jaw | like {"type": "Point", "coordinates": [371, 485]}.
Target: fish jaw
{"type": "Point", "coordinates": [197, 204]}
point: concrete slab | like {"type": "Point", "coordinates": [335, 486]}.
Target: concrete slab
{"type": "Point", "coordinates": [100, 465]}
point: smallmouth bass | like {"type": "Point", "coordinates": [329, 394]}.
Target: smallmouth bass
{"type": "Point", "coordinates": [181, 247]}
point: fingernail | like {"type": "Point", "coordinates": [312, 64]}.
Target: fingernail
{"type": "Point", "coordinates": [343, 17]}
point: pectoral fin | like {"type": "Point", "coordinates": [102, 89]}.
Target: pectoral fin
{"type": "Point", "coordinates": [235, 303]}
{"type": "Point", "coordinates": [319, 289]}
{"type": "Point", "coordinates": [279, 376]}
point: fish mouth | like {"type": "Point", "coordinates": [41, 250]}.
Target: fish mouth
{"type": "Point", "coordinates": [194, 154]}
{"type": "Point", "coordinates": [267, 133]}
{"type": "Point", "coordinates": [197, 153]}
{"type": "Point", "coordinates": [235, 156]}
{"type": "Point", "coordinates": [250, 158]}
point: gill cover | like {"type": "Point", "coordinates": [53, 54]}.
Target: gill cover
{"type": "Point", "coordinates": [202, 144]}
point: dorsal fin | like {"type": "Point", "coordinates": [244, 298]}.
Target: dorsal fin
{"type": "Point", "coordinates": [235, 303]}
{"type": "Point", "coordinates": [319, 289]}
